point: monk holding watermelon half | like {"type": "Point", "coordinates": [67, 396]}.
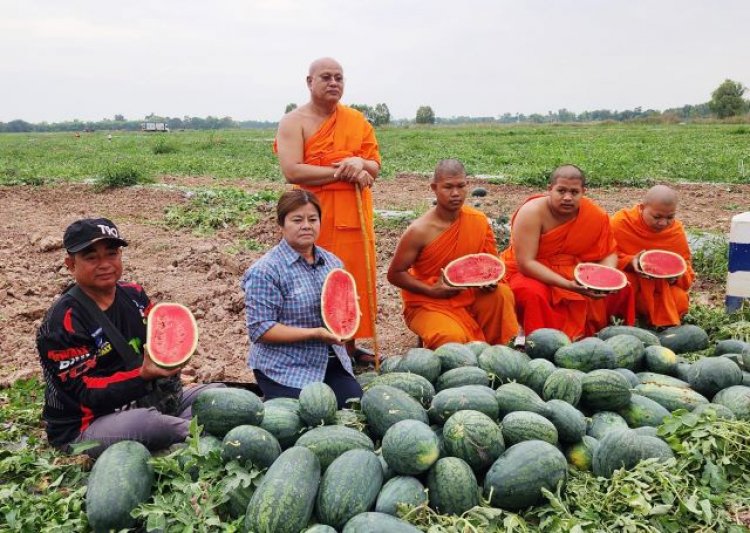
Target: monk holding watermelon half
{"type": "Point", "coordinates": [468, 303]}
{"type": "Point", "coordinates": [551, 235]}
{"type": "Point", "coordinates": [653, 251]}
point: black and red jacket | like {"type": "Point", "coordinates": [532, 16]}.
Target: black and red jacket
{"type": "Point", "coordinates": [85, 376]}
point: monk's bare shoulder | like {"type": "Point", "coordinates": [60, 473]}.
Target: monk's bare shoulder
{"type": "Point", "coordinates": [421, 231]}
{"type": "Point", "coordinates": [533, 211]}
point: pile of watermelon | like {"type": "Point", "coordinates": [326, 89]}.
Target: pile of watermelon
{"type": "Point", "coordinates": [451, 427]}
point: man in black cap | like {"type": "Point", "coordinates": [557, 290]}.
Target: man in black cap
{"type": "Point", "coordinates": [101, 385]}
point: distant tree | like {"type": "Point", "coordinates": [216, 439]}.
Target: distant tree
{"type": "Point", "coordinates": [119, 118]}
{"type": "Point", "coordinates": [365, 109]}
{"type": "Point", "coordinates": [290, 107]}
{"type": "Point", "coordinates": [425, 115]}
{"type": "Point", "coordinates": [726, 100]}
{"type": "Point", "coordinates": [381, 115]}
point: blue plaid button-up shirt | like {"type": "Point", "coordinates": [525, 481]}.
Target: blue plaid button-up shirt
{"type": "Point", "coordinates": [282, 288]}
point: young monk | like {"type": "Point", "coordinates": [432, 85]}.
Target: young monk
{"type": "Point", "coordinates": [435, 311]}
{"type": "Point", "coordinates": [652, 225]}
{"type": "Point", "coordinates": [330, 150]}
{"type": "Point", "coordinates": [550, 235]}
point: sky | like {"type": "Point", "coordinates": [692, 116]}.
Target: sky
{"type": "Point", "coordinates": [248, 59]}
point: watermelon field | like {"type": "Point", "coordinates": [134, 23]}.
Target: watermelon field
{"type": "Point", "coordinates": [635, 432]}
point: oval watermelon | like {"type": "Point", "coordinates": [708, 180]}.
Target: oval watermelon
{"type": "Point", "coordinates": [586, 355]}
{"type": "Point", "coordinates": [661, 360]}
{"type": "Point", "coordinates": [684, 339]}
{"type": "Point", "coordinates": [544, 342]}
{"type": "Point", "coordinates": [339, 303]}
{"type": "Point", "coordinates": [414, 385]}
{"type": "Point", "coordinates": [283, 502]}
{"type": "Point", "coordinates": [284, 424]}
{"type": "Point", "coordinates": [506, 364]}
{"type": "Point", "coordinates": [421, 361]}
{"type": "Point", "coordinates": [625, 449]}
{"type": "Point", "coordinates": [736, 399]}
{"type": "Point", "coordinates": [521, 426]}
{"type": "Point", "coordinates": [599, 277]}
{"type": "Point", "coordinates": [458, 377]}
{"type": "Point", "coordinates": [629, 351]}
{"type": "Point", "coordinates": [410, 447]}
{"type": "Point", "coordinates": [383, 406]}
{"type": "Point", "coordinates": [642, 411]}
{"type": "Point", "coordinates": [473, 437]}
{"type": "Point", "coordinates": [605, 390]}
{"type": "Point", "coordinates": [348, 487]}
{"type": "Point", "coordinates": [515, 481]}
{"type": "Point", "coordinates": [452, 486]}
{"type": "Point", "coordinates": [569, 421]}
{"type": "Point", "coordinates": [473, 397]}
{"type": "Point", "coordinates": [317, 404]}
{"type": "Point", "coordinates": [604, 422]}
{"type": "Point", "coordinates": [474, 270]}
{"type": "Point", "coordinates": [661, 264]}
{"type": "Point", "coordinates": [454, 355]}
{"type": "Point", "coordinates": [648, 338]}
{"type": "Point", "coordinates": [171, 335]}
{"type": "Point", "coordinates": [222, 409]}
{"type": "Point", "coordinates": [329, 442]}
{"type": "Point", "coordinates": [516, 397]}
{"type": "Point", "coordinates": [120, 480]}
{"type": "Point", "coordinates": [400, 490]}
{"type": "Point", "coordinates": [712, 374]}
{"type": "Point", "coordinates": [250, 443]}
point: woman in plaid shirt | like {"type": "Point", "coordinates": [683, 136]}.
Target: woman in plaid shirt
{"type": "Point", "coordinates": [290, 346]}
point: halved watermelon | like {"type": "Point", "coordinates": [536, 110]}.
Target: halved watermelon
{"type": "Point", "coordinates": [339, 303]}
{"type": "Point", "coordinates": [474, 270]}
{"type": "Point", "coordinates": [661, 264]}
{"type": "Point", "coordinates": [171, 335]}
{"type": "Point", "coordinates": [599, 277]}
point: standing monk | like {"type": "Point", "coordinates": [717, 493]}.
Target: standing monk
{"type": "Point", "coordinates": [437, 312]}
{"type": "Point", "coordinates": [648, 226]}
{"type": "Point", "coordinates": [330, 150]}
{"type": "Point", "coordinates": [550, 235]}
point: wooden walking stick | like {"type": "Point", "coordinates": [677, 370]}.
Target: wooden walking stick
{"type": "Point", "coordinates": [370, 278]}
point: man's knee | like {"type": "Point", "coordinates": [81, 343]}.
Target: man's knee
{"type": "Point", "coordinates": [436, 338]}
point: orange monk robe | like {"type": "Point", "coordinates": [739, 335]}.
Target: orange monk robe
{"type": "Point", "coordinates": [346, 133]}
{"type": "Point", "coordinates": [660, 303]}
{"type": "Point", "coordinates": [586, 238]}
{"type": "Point", "coordinates": [472, 315]}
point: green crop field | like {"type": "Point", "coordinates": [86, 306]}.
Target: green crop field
{"type": "Point", "coordinates": [622, 154]}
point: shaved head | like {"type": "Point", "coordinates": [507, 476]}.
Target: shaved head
{"type": "Point", "coordinates": [448, 167]}
{"type": "Point", "coordinates": [323, 63]}
{"type": "Point", "coordinates": [571, 172]}
{"type": "Point", "coordinates": [660, 195]}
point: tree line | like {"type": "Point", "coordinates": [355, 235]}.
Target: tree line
{"type": "Point", "coordinates": [727, 100]}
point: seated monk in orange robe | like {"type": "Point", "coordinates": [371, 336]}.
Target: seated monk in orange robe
{"type": "Point", "coordinates": [648, 226]}
{"type": "Point", "coordinates": [550, 235]}
{"type": "Point", "coordinates": [435, 311]}
{"type": "Point", "coordinates": [330, 149]}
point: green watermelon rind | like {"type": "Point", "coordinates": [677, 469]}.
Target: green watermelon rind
{"type": "Point", "coordinates": [120, 480]}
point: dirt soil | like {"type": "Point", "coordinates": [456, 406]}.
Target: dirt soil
{"type": "Point", "coordinates": [204, 272]}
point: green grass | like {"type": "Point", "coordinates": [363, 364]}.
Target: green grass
{"type": "Point", "coordinates": [212, 209]}
{"type": "Point", "coordinates": [611, 154]}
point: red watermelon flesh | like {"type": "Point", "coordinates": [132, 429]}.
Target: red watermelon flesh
{"type": "Point", "coordinates": [599, 277]}
{"type": "Point", "coordinates": [171, 334]}
{"type": "Point", "coordinates": [474, 270]}
{"type": "Point", "coordinates": [662, 264]}
{"type": "Point", "coordinates": [339, 304]}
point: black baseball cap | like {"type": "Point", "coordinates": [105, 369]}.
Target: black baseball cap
{"type": "Point", "coordinates": [83, 233]}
